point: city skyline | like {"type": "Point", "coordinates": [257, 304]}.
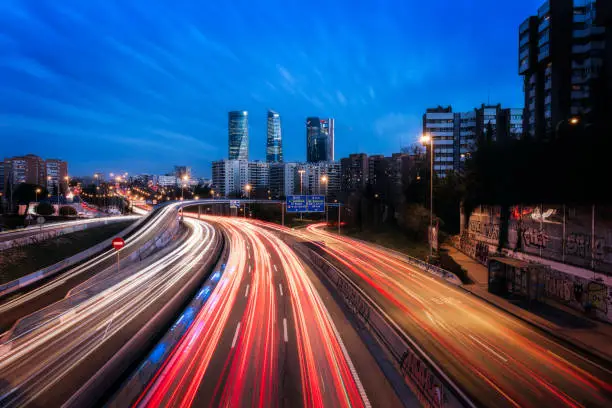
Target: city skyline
{"type": "Point", "coordinates": [131, 98]}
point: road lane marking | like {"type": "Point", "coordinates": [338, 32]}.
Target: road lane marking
{"type": "Point", "coordinates": [285, 334]}
{"type": "Point", "coordinates": [505, 360]}
{"type": "Point", "coordinates": [246, 292]}
{"type": "Point", "coordinates": [249, 268]}
{"type": "Point", "coordinates": [236, 335]}
{"type": "Point", "coordinates": [275, 268]}
{"type": "Point", "coordinates": [280, 287]}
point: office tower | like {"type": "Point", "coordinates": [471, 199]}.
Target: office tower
{"type": "Point", "coordinates": [328, 131]}
{"type": "Point", "coordinates": [274, 145]}
{"type": "Point", "coordinates": [238, 135]}
{"type": "Point", "coordinates": [354, 172]}
{"type": "Point", "coordinates": [320, 135]}
{"type": "Point", "coordinates": [564, 53]}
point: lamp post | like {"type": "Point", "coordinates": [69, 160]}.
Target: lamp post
{"type": "Point", "coordinates": [301, 171]}
{"type": "Point", "coordinates": [248, 189]}
{"type": "Point", "coordinates": [427, 139]}
{"type": "Point", "coordinates": [184, 178]}
{"type": "Point", "coordinates": [37, 191]}
{"type": "Point", "coordinates": [324, 180]}
{"type": "Point", "coordinates": [572, 121]}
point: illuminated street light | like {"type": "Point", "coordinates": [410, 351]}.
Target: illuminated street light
{"type": "Point", "coordinates": [427, 139]}
{"type": "Point", "coordinates": [37, 191]}
{"type": "Point", "coordinates": [574, 121]}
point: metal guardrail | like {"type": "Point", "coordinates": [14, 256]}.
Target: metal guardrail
{"type": "Point", "coordinates": [427, 380]}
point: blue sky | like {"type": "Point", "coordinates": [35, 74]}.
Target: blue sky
{"type": "Point", "coordinates": [141, 85]}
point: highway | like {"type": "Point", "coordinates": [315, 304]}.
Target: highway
{"type": "Point", "coordinates": [47, 357]}
{"type": "Point", "coordinates": [54, 289]}
{"type": "Point", "coordinates": [495, 358]}
{"type": "Point", "coordinates": [269, 336]}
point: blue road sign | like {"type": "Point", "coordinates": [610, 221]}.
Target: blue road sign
{"type": "Point", "coordinates": [316, 203]}
{"type": "Point", "coordinates": [234, 203]}
{"type": "Point", "coordinates": [296, 203]}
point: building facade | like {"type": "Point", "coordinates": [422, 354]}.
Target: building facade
{"type": "Point", "coordinates": [230, 177]}
{"type": "Point", "coordinates": [455, 134]}
{"type": "Point", "coordinates": [354, 172]}
{"type": "Point", "coordinates": [274, 144]}
{"type": "Point", "coordinates": [564, 59]}
{"type": "Point", "coordinates": [238, 135]}
{"type": "Point", "coordinates": [320, 140]}
{"type": "Point", "coordinates": [56, 171]}
{"type": "Point", "coordinates": [282, 179]}
{"type": "Point", "coordinates": [259, 179]}
{"type": "Point", "coordinates": [322, 178]}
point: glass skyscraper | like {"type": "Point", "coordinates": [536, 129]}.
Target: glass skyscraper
{"type": "Point", "coordinates": [238, 130]}
{"type": "Point", "coordinates": [319, 140]}
{"type": "Point", "coordinates": [274, 145]}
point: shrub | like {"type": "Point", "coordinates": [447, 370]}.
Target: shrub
{"type": "Point", "coordinates": [44, 209]}
{"type": "Point", "coordinates": [67, 210]}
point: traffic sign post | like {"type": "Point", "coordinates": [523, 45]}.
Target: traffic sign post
{"type": "Point", "coordinates": [40, 221]}
{"type": "Point", "coordinates": [118, 244]}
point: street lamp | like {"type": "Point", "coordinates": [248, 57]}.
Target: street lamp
{"type": "Point", "coordinates": [301, 171]}
{"type": "Point", "coordinates": [324, 179]}
{"type": "Point", "coordinates": [184, 178]}
{"type": "Point", "coordinates": [248, 189]}
{"type": "Point", "coordinates": [212, 193]}
{"type": "Point", "coordinates": [37, 191]}
{"type": "Point", "coordinates": [427, 139]}
{"type": "Point", "coordinates": [572, 121]}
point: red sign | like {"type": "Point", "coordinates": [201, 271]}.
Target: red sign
{"type": "Point", "coordinates": [118, 243]}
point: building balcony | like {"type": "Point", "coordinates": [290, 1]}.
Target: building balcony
{"type": "Point", "coordinates": [544, 25]}
{"type": "Point", "coordinates": [524, 40]}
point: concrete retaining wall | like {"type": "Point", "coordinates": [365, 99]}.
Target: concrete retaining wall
{"type": "Point", "coordinates": [51, 231]}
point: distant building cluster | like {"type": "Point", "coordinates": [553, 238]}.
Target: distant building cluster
{"type": "Point", "coordinates": [32, 169]}
{"type": "Point", "coordinates": [274, 178]}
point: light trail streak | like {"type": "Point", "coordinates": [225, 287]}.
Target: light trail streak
{"type": "Point", "coordinates": [43, 363]}
{"type": "Point", "coordinates": [250, 373]}
{"type": "Point", "coordinates": [513, 366]}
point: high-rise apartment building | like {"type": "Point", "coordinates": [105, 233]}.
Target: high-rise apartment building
{"type": "Point", "coordinates": [565, 58]}
{"type": "Point", "coordinates": [56, 173]}
{"type": "Point", "coordinates": [320, 139]}
{"type": "Point", "coordinates": [274, 144]}
{"type": "Point", "coordinates": [354, 172]}
{"type": "Point", "coordinates": [455, 134]}
{"type": "Point", "coordinates": [259, 178]}
{"type": "Point", "coordinates": [282, 179]}
{"type": "Point", "coordinates": [238, 135]}
{"type": "Point", "coordinates": [318, 178]}
{"type": "Point", "coordinates": [230, 177]}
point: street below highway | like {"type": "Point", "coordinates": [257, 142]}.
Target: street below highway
{"type": "Point", "coordinates": [268, 337]}
{"type": "Point", "coordinates": [50, 354]}
{"type": "Point", "coordinates": [495, 358]}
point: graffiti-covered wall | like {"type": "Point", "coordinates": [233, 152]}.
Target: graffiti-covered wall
{"type": "Point", "coordinates": [579, 236]}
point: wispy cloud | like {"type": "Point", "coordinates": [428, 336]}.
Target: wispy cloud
{"type": "Point", "coordinates": [341, 98]}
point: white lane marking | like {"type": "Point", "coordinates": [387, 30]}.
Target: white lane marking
{"type": "Point", "coordinates": [285, 334]}
{"type": "Point", "coordinates": [275, 268]}
{"type": "Point", "coordinates": [236, 335]}
{"type": "Point", "coordinates": [249, 255]}
{"type": "Point", "coordinates": [322, 383]}
{"type": "Point", "coordinates": [280, 287]}
{"type": "Point", "coordinates": [505, 360]}
{"type": "Point", "coordinates": [246, 292]}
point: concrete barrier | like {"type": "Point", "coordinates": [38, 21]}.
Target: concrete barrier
{"type": "Point", "coordinates": [51, 231]}
{"type": "Point", "coordinates": [427, 380]}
